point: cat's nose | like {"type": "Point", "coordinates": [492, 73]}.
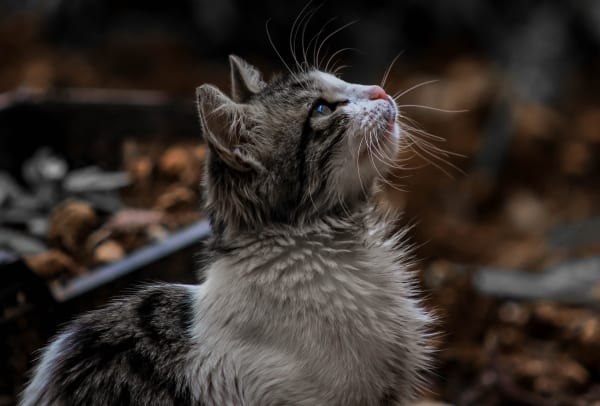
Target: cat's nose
{"type": "Point", "coordinates": [376, 93]}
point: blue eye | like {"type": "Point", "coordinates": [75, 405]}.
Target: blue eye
{"type": "Point", "coordinates": [322, 109]}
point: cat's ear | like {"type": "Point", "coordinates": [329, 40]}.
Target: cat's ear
{"type": "Point", "coordinates": [223, 124]}
{"type": "Point", "coordinates": [246, 80]}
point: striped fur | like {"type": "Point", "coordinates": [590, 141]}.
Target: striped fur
{"type": "Point", "coordinates": [307, 300]}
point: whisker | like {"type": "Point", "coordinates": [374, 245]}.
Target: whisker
{"type": "Point", "coordinates": [275, 48]}
{"type": "Point", "coordinates": [362, 186]}
{"type": "Point", "coordinates": [425, 158]}
{"type": "Point", "coordinates": [425, 142]}
{"type": "Point", "coordinates": [392, 166]}
{"type": "Point", "coordinates": [336, 53]}
{"type": "Point", "coordinates": [302, 37]}
{"type": "Point", "coordinates": [433, 108]}
{"type": "Point", "coordinates": [331, 35]}
{"type": "Point", "coordinates": [429, 150]}
{"type": "Point", "coordinates": [389, 69]}
{"type": "Point", "coordinates": [391, 163]}
{"type": "Point", "coordinates": [381, 177]}
{"type": "Point", "coordinates": [339, 68]}
{"type": "Point", "coordinates": [409, 123]}
{"type": "Point", "coordinates": [312, 200]}
{"type": "Point", "coordinates": [417, 141]}
{"type": "Point", "coordinates": [340, 200]}
{"type": "Point", "coordinates": [295, 29]}
{"type": "Point", "coordinates": [410, 89]}
{"type": "Point", "coordinates": [315, 38]}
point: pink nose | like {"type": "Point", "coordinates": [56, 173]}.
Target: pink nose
{"type": "Point", "coordinates": [376, 92]}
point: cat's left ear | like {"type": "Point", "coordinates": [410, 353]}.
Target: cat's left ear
{"type": "Point", "coordinates": [224, 124]}
{"type": "Point", "coordinates": [246, 80]}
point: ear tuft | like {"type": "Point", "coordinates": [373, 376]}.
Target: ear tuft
{"type": "Point", "coordinates": [246, 80]}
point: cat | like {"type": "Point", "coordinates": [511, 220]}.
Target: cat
{"type": "Point", "coordinates": [307, 300]}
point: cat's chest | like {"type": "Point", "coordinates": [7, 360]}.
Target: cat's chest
{"type": "Point", "coordinates": [322, 317]}
{"type": "Point", "coordinates": [335, 300]}
{"type": "Point", "coordinates": [324, 278]}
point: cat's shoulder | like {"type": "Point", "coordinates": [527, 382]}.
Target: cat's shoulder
{"type": "Point", "coordinates": [160, 310]}
{"type": "Point", "coordinates": [135, 344]}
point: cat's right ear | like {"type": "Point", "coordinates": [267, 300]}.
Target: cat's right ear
{"type": "Point", "coordinates": [223, 124]}
{"type": "Point", "coordinates": [246, 80]}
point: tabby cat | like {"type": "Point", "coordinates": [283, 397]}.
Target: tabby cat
{"type": "Point", "coordinates": [306, 300]}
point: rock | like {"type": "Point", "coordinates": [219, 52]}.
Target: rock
{"type": "Point", "coordinates": [38, 226]}
{"type": "Point", "coordinates": [526, 212]}
{"type": "Point", "coordinates": [174, 161]}
{"type": "Point", "coordinates": [18, 216]}
{"type": "Point", "coordinates": [53, 264]}
{"type": "Point", "coordinates": [157, 232]}
{"type": "Point", "coordinates": [70, 223]}
{"type": "Point", "coordinates": [175, 198]}
{"type": "Point", "coordinates": [575, 158]}
{"type": "Point", "coordinates": [550, 375]}
{"type": "Point", "coordinates": [574, 282]}
{"type": "Point", "coordinates": [140, 169]}
{"type": "Point", "coordinates": [182, 164]}
{"type": "Point", "coordinates": [133, 219]}
{"type": "Point", "coordinates": [525, 253]}
{"type": "Point", "coordinates": [513, 313]}
{"type": "Point", "coordinates": [93, 179]}
{"type": "Point", "coordinates": [43, 167]}
{"type": "Point", "coordinates": [536, 121]}
{"type": "Point", "coordinates": [43, 172]}
{"type": "Point", "coordinates": [103, 202]}
{"type": "Point", "coordinates": [19, 243]}
{"type": "Point", "coordinates": [108, 251]}
{"type": "Point", "coordinates": [9, 189]}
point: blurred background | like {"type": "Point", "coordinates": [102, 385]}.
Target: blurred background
{"type": "Point", "coordinates": [101, 157]}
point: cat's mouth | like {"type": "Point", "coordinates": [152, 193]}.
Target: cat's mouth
{"type": "Point", "coordinates": [378, 142]}
{"type": "Point", "coordinates": [385, 133]}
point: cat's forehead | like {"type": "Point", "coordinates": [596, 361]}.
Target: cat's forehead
{"type": "Point", "coordinates": [314, 84]}
{"type": "Point", "coordinates": [329, 82]}
{"type": "Point", "coordinates": [334, 87]}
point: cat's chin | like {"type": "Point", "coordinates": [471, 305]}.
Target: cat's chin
{"type": "Point", "coordinates": [383, 148]}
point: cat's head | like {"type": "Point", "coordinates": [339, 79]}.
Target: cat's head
{"type": "Point", "coordinates": [292, 149]}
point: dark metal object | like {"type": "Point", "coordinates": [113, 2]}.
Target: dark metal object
{"type": "Point", "coordinates": [143, 257]}
{"type": "Point", "coordinates": [86, 126]}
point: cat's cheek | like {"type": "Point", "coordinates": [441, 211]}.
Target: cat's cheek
{"type": "Point", "coordinates": [354, 175]}
{"type": "Point", "coordinates": [392, 141]}
{"type": "Point", "coordinates": [356, 142]}
{"type": "Point", "coordinates": [343, 176]}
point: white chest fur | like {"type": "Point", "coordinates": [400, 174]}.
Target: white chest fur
{"type": "Point", "coordinates": [308, 319]}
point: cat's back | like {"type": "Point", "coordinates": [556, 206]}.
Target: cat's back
{"type": "Point", "coordinates": [132, 351]}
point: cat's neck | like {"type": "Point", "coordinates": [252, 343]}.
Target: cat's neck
{"type": "Point", "coordinates": [303, 265]}
{"type": "Point", "coordinates": [337, 225]}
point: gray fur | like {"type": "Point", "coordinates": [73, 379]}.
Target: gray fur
{"type": "Point", "coordinates": [306, 301]}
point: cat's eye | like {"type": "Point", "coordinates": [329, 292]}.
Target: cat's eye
{"type": "Point", "coordinates": [322, 110]}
